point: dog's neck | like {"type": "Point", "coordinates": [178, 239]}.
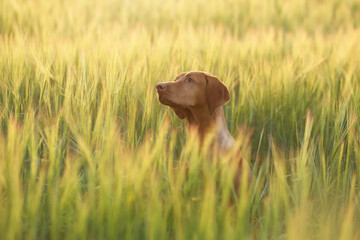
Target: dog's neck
{"type": "Point", "coordinates": [201, 120]}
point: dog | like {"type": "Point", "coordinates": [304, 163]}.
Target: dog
{"type": "Point", "coordinates": [199, 97]}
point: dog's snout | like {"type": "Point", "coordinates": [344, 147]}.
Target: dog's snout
{"type": "Point", "coordinates": [161, 86]}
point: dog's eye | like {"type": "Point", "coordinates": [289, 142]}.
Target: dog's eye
{"type": "Point", "coordinates": [189, 80]}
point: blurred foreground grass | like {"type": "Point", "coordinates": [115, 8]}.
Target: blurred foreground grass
{"type": "Point", "coordinates": [87, 152]}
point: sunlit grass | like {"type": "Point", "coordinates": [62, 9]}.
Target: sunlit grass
{"type": "Point", "coordinates": [87, 151]}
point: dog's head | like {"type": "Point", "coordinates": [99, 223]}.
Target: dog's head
{"type": "Point", "coordinates": [193, 90]}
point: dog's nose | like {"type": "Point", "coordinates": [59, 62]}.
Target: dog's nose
{"type": "Point", "coordinates": [161, 86]}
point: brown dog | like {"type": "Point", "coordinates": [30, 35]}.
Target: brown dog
{"type": "Point", "coordinates": [199, 97]}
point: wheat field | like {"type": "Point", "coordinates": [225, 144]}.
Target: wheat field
{"type": "Point", "coordinates": [88, 152]}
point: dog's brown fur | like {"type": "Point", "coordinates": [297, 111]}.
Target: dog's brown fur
{"type": "Point", "coordinates": [199, 97]}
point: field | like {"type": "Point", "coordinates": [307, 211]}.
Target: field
{"type": "Point", "coordinates": [88, 152]}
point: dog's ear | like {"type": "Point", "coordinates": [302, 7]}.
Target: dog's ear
{"type": "Point", "coordinates": [216, 93]}
{"type": "Point", "coordinates": [179, 112]}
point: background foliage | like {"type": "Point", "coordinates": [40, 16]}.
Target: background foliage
{"type": "Point", "coordinates": [87, 152]}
